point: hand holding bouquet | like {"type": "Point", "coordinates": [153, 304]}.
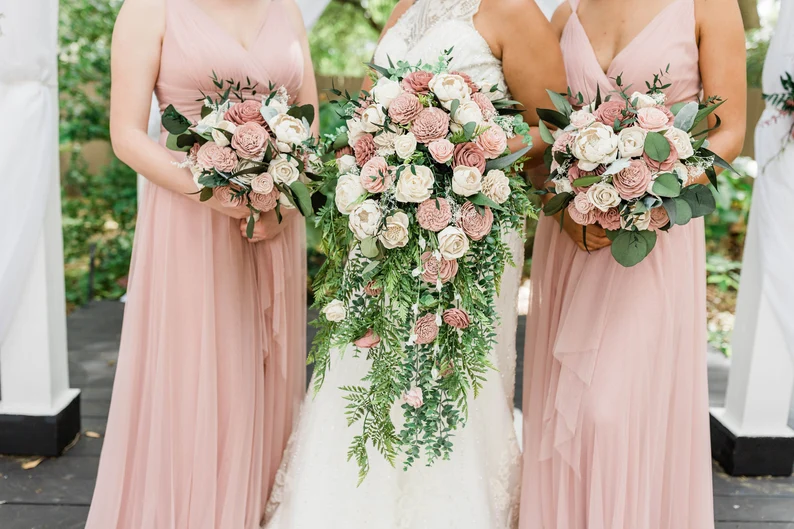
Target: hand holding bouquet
{"type": "Point", "coordinates": [414, 234]}
{"type": "Point", "coordinates": [254, 152]}
{"type": "Point", "coordinates": [628, 163]}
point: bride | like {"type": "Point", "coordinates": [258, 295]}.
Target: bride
{"type": "Point", "coordinates": [510, 44]}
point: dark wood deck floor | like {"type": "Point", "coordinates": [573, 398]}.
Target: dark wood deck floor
{"type": "Point", "coordinates": [56, 493]}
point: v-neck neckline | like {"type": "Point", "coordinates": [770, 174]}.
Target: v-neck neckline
{"type": "Point", "coordinates": [629, 45]}
{"type": "Point", "coordinates": [247, 49]}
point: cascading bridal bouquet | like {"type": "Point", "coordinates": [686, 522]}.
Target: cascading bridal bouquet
{"type": "Point", "coordinates": [248, 151]}
{"type": "Point", "coordinates": [414, 234]}
{"type": "Point", "coordinates": [784, 103]}
{"type": "Point", "coordinates": [628, 164]}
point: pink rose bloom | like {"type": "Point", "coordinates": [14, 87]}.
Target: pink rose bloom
{"type": "Point", "coordinates": [582, 204]}
{"type": "Point", "coordinates": [347, 150]}
{"type": "Point", "coordinates": [655, 119]}
{"type": "Point", "coordinates": [376, 175]}
{"type": "Point", "coordinates": [583, 219]}
{"type": "Point", "coordinates": [426, 329]}
{"type": "Point", "coordinates": [434, 214]}
{"type": "Point", "coordinates": [414, 398]}
{"type": "Point", "coordinates": [262, 184]}
{"type": "Point", "coordinates": [574, 174]}
{"type": "Point", "coordinates": [265, 202]}
{"type": "Point", "coordinates": [250, 140]}
{"type": "Point", "coordinates": [456, 318]}
{"type": "Point", "coordinates": [470, 155]}
{"type": "Point", "coordinates": [430, 125]}
{"type": "Point", "coordinates": [486, 106]}
{"type": "Point", "coordinates": [659, 218]}
{"type": "Point", "coordinates": [372, 289]}
{"type": "Point", "coordinates": [610, 111]}
{"type": "Point", "coordinates": [435, 270]}
{"type": "Point", "coordinates": [666, 165]}
{"type": "Point", "coordinates": [609, 219]}
{"type": "Point", "coordinates": [417, 82]}
{"type": "Point", "coordinates": [364, 149]}
{"type": "Point", "coordinates": [493, 142]}
{"type": "Point", "coordinates": [369, 340]}
{"type": "Point", "coordinates": [467, 79]}
{"type": "Point", "coordinates": [226, 197]}
{"type": "Point", "coordinates": [632, 182]}
{"type": "Point", "coordinates": [405, 108]}
{"type": "Point", "coordinates": [473, 224]}
{"type": "Point", "coordinates": [563, 143]}
{"type": "Point", "coordinates": [213, 156]}
{"type": "Point", "coordinates": [245, 112]}
{"type": "Point", "coordinates": [441, 150]}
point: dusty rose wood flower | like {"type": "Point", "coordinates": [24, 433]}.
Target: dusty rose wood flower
{"type": "Point", "coordinates": [347, 150]}
{"type": "Point", "coordinates": [632, 182]}
{"type": "Point", "coordinates": [417, 82]}
{"type": "Point", "coordinates": [659, 218]}
{"type": "Point", "coordinates": [213, 156]}
{"type": "Point", "coordinates": [370, 339]}
{"type": "Point", "coordinates": [265, 202]}
{"type": "Point", "coordinates": [434, 270]}
{"type": "Point", "coordinates": [245, 112]}
{"type": "Point", "coordinates": [262, 184]}
{"type": "Point", "coordinates": [405, 108]}
{"type": "Point", "coordinates": [430, 125]}
{"type": "Point", "coordinates": [493, 142]}
{"type": "Point", "coordinates": [364, 149]}
{"type": "Point", "coordinates": [371, 289]}
{"type": "Point", "coordinates": [579, 217]}
{"type": "Point", "coordinates": [376, 175]}
{"type": "Point", "coordinates": [666, 165]}
{"type": "Point", "coordinates": [426, 329]}
{"type": "Point", "coordinates": [469, 154]}
{"type": "Point", "coordinates": [225, 195]}
{"type": "Point", "coordinates": [609, 219]}
{"type": "Point", "coordinates": [434, 214]}
{"type": "Point", "coordinates": [473, 224]}
{"type": "Point", "coordinates": [457, 318]}
{"type": "Point", "coordinates": [250, 140]}
{"type": "Point", "coordinates": [485, 104]}
{"type": "Point", "coordinates": [610, 111]}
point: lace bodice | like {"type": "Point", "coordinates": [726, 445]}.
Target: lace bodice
{"type": "Point", "coordinates": [429, 27]}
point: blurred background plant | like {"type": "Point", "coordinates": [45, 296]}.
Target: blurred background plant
{"type": "Point", "coordinates": [99, 192]}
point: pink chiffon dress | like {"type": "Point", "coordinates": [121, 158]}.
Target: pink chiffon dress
{"type": "Point", "coordinates": [616, 424]}
{"type": "Point", "coordinates": [211, 370]}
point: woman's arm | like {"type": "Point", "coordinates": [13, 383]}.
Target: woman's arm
{"type": "Point", "coordinates": [135, 63]}
{"type": "Point", "coordinates": [519, 34]}
{"type": "Point", "coordinates": [398, 11]}
{"type": "Point", "coordinates": [308, 91]}
{"type": "Point", "coordinates": [723, 68]}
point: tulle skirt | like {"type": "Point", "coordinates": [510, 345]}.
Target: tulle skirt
{"type": "Point", "coordinates": [210, 375]}
{"type": "Point", "coordinates": [616, 424]}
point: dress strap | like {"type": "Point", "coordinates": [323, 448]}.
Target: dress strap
{"type": "Point", "coordinates": [574, 5]}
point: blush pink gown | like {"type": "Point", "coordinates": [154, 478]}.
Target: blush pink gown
{"type": "Point", "coordinates": [211, 369]}
{"type": "Point", "coordinates": [616, 432]}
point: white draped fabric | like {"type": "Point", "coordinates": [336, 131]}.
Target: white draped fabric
{"type": "Point", "coordinates": [773, 195]}
{"type": "Point", "coordinates": [29, 143]}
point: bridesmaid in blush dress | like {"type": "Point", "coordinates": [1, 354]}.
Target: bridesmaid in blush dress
{"type": "Point", "coordinates": [616, 432]}
{"type": "Point", "coordinates": [211, 368]}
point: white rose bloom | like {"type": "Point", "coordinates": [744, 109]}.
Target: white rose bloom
{"type": "Point", "coordinates": [385, 91]}
{"type": "Point", "coordinates": [364, 222]}
{"type": "Point", "coordinates": [385, 142]}
{"type": "Point", "coordinates": [681, 172]}
{"type": "Point", "coordinates": [562, 185]}
{"type": "Point", "coordinates": [631, 142]}
{"type": "Point", "coordinates": [335, 311]}
{"type": "Point", "coordinates": [405, 145]}
{"type": "Point", "coordinates": [289, 131]}
{"type": "Point", "coordinates": [582, 118]}
{"type": "Point", "coordinates": [355, 130]}
{"type": "Point", "coordinates": [347, 164]}
{"type": "Point", "coordinates": [373, 118]}
{"type": "Point", "coordinates": [642, 100]}
{"type": "Point", "coordinates": [415, 184]}
{"type": "Point", "coordinates": [284, 201]}
{"type": "Point", "coordinates": [452, 243]}
{"type": "Point", "coordinates": [466, 181]}
{"type": "Point", "coordinates": [641, 221]}
{"type": "Point", "coordinates": [208, 122]}
{"type": "Point", "coordinates": [496, 186]}
{"type": "Point", "coordinates": [681, 141]}
{"type": "Point", "coordinates": [468, 112]}
{"type": "Point", "coordinates": [218, 136]}
{"type": "Point", "coordinates": [449, 87]}
{"type": "Point", "coordinates": [348, 191]}
{"type": "Point", "coordinates": [284, 169]}
{"type": "Point", "coordinates": [595, 145]}
{"type": "Point", "coordinates": [395, 233]}
{"type": "Point", "coordinates": [197, 172]}
{"type": "Point", "coordinates": [603, 196]}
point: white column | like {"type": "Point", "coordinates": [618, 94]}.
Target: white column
{"type": "Point", "coordinates": [761, 381]}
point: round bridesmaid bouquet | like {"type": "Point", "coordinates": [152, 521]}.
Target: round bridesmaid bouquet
{"type": "Point", "coordinates": [628, 163]}
{"type": "Point", "coordinates": [421, 195]}
{"type": "Point", "coordinates": [248, 149]}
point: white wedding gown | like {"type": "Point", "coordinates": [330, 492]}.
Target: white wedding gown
{"type": "Point", "coordinates": [478, 488]}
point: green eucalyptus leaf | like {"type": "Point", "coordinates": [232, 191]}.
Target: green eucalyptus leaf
{"type": "Point", "coordinates": [506, 161]}
{"type": "Point", "coordinates": [206, 194]}
{"type": "Point", "coordinates": [555, 118]}
{"type": "Point", "coordinates": [669, 205]}
{"type": "Point", "coordinates": [557, 203]}
{"type": "Point", "coordinates": [685, 117]}
{"type": "Point", "coordinates": [481, 200]}
{"type": "Point", "coordinates": [303, 197]}
{"type": "Point", "coordinates": [657, 147]}
{"type": "Point", "coordinates": [172, 143]}
{"type": "Point", "coordinates": [700, 199]}
{"type": "Point", "coordinates": [173, 121]}
{"type": "Point", "coordinates": [667, 185]}
{"type": "Point", "coordinates": [369, 247]}
{"type": "Point", "coordinates": [683, 211]}
{"type": "Point", "coordinates": [630, 247]}
{"type": "Point", "coordinates": [561, 103]}
{"type": "Point", "coordinates": [545, 133]}
{"type": "Point", "coordinates": [586, 181]}
{"type": "Point", "coordinates": [249, 230]}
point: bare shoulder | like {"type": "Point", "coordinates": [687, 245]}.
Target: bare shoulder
{"type": "Point", "coordinates": [296, 15]}
{"type": "Point", "coordinates": [515, 20]}
{"type": "Point", "coordinates": [718, 15]}
{"type": "Point", "coordinates": [514, 10]}
{"type": "Point", "coordinates": [145, 17]}
{"type": "Point", "coordinates": [561, 16]}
